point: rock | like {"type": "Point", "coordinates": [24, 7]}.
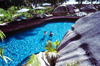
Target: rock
{"type": "Point", "coordinates": [88, 9]}
{"type": "Point", "coordinates": [80, 14]}
{"type": "Point", "coordinates": [71, 8]}
{"type": "Point", "coordinates": [82, 42]}
{"type": "Point", "coordinates": [63, 10]}
{"type": "Point", "coordinates": [42, 60]}
{"type": "Point", "coordinates": [60, 10]}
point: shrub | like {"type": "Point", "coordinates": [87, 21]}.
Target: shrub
{"type": "Point", "coordinates": [1, 10]}
{"type": "Point", "coordinates": [49, 10]}
{"type": "Point", "coordinates": [51, 53]}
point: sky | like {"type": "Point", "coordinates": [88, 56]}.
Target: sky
{"type": "Point", "coordinates": [73, 2]}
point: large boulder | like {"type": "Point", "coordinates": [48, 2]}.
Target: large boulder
{"type": "Point", "coordinates": [82, 42]}
{"type": "Point", "coordinates": [88, 9]}
{"type": "Point", "coordinates": [60, 10]}
{"type": "Point", "coordinates": [71, 9]}
{"type": "Point", "coordinates": [64, 10]}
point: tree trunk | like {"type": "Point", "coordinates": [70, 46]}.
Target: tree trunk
{"type": "Point", "coordinates": [35, 3]}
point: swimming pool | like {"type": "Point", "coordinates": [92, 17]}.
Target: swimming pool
{"type": "Point", "coordinates": [20, 46]}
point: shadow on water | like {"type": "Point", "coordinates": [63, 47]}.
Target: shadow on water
{"type": "Point", "coordinates": [42, 39]}
{"type": "Point", "coordinates": [20, 35]}
{"type": "Point", "coordinates": [47, 39]}
{"type": "Point", "coordinates": [23, 61]}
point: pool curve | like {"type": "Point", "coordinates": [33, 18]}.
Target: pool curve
{"type": "Point", "coordinates": [18, 43]}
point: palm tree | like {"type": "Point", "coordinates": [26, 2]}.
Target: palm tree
{"type": "Point", "coordinates": [51, 53]}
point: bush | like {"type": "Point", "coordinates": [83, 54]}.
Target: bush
{"type": "Point", "coordinates": [40, 12]}
{"type": "Point", "coordinates": [49, 10]}
{"type": "Point", "coordinates": [1, 10]}
{"type": "Point", "coordinates": [8, 14]}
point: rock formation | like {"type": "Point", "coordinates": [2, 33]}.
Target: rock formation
{"type": "Point", "coordinates": [70, 9]}
{"type": "Point", "coordinates": [60, 10]}
{"type": "Point", "coordinates": [88, 9]}
{"type": "Point", "coordinates": [82, 42]}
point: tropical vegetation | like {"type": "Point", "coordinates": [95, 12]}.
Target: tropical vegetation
{"type": "Point", "coordinates": [18, 3]}
{"type": "Point", "coordinates": [51, 47]}
{"type": "Point", "coordinates": [8, 15]}
{"type": "Point", "coordinates": [33, 61]}
{"type": "Point", "coordinates": [2, 36]}
{"type": "Point", "coordinates": [51, 53]}
{"type": "Point", "coordinates": [4, 57]}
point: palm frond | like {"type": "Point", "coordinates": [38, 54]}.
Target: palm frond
{"type": "Point", "coordinates": [49, 47]}
{"type": "Point", "coordinates": [56, 43]}
{"type": "Point", "coordinates": [4, 57]}
{"type": "Point", "coordinates": [2, 35]}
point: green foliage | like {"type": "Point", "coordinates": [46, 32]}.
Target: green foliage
{"type": "Point", "coordinates": [8, 14]}
{"type": "Point", "coordinates": [1, 10]}
{"type": "Point", "coordinates": [51, 47]}
{"type": "Point", "coordinates": [40, 12]}
{"type": "Point", "coordinates": [22, 7]}
{"type": "Point", "coordinates": [56, 43]}
{"type": "Point", "coordinates": [51, 53]}
{"type": "Point", "coordinates": [6, 18]}
{"type": "Point", "coordinates": [49, 10]}
{"type": "Point", "coordinates": [2, 56]}
{"type": "Point", "coordinates": [73, 63]}
{"type": "Point", "coordinates": [2, 35]}
{"type": "Point", "coordinates": [1, 22]}
{"type": "Point", "coordinates": [69, 14]}
{"type": "Point", "coordinates": [12, 9]}
{"type": "Point", "coordinates": [33, 61]}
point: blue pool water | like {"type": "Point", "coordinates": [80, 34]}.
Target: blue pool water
{"type": "Point", "coordinates": [20, 46]}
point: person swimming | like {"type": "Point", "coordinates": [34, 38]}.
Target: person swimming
{"type": "Point", "coordinates": [50, 35]}
{"type": "Point", "coordinates": [45, 34]}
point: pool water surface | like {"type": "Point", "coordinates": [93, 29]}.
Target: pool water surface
{"type": "Point", "coordinates": [20, 46]}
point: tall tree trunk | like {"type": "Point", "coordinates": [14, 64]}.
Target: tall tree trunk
{"type": "Point", "coordinates": [35, 3]}
{"type": "Point", "coordinates": [81, 1]}
{"type": "Point", "coordinates": [91, 1]}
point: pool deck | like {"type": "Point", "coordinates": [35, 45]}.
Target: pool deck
{"type": "Point", "coordinates": [31, 22]}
